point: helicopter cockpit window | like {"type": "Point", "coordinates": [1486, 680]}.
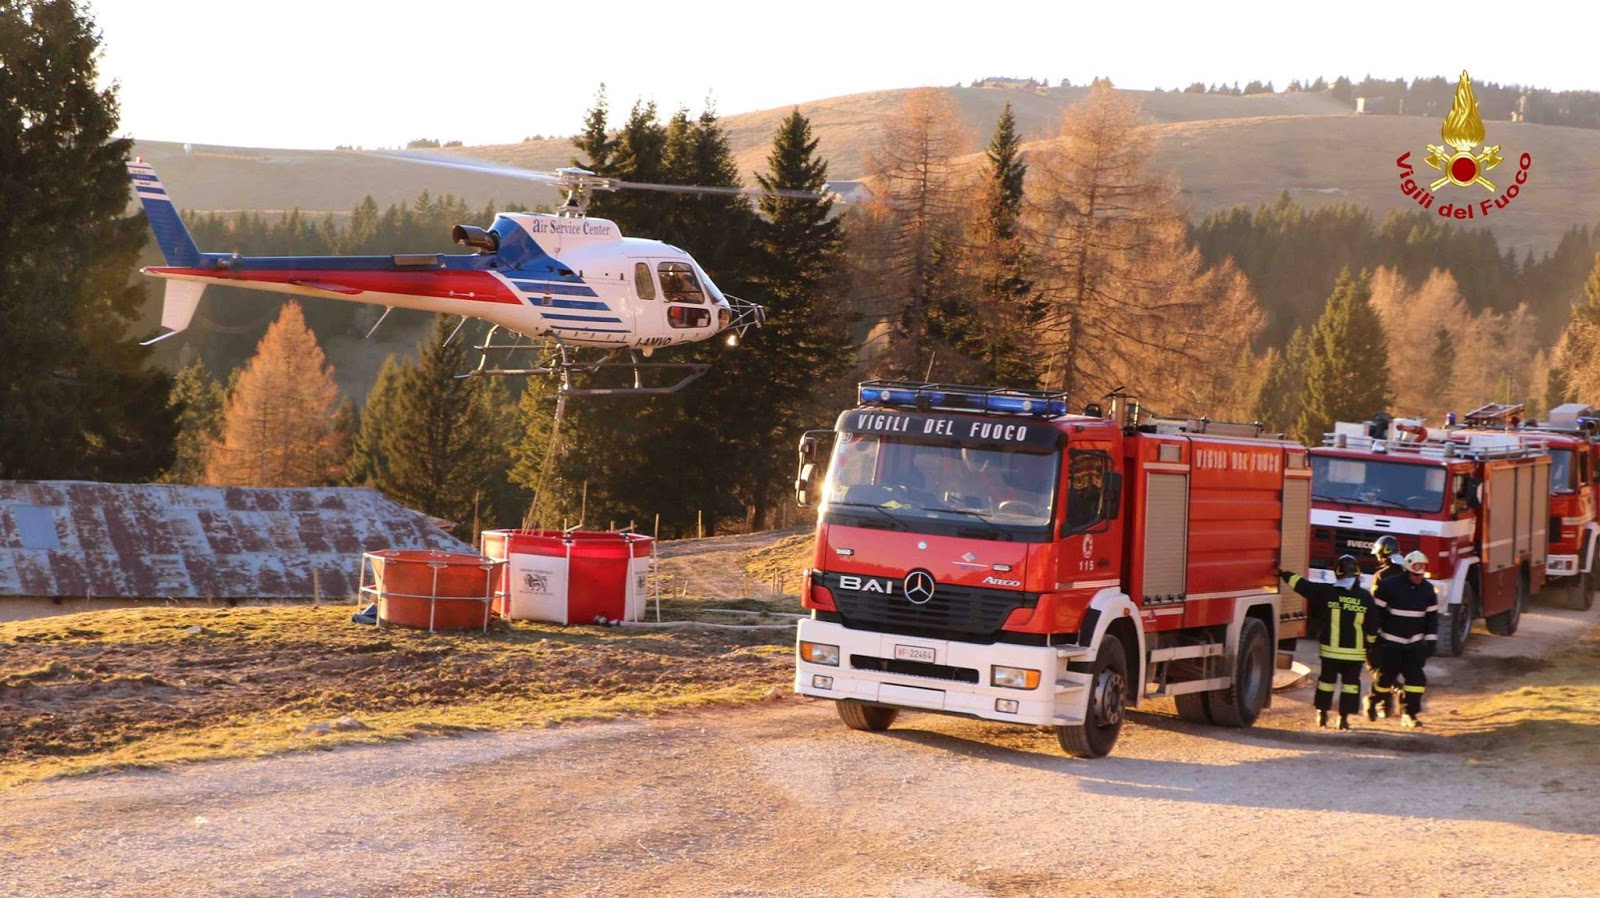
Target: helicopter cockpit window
{"type": "Point", "coordinates": [642, 282]}
{"type": "Point", "coordinates": [678, 283]}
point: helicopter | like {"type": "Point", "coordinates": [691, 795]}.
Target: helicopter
{"type": "Point", "coordinates": [574, 281]}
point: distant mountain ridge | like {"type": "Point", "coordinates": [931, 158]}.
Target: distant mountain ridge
{"type": "Point", "coordinates": [1225, 150]}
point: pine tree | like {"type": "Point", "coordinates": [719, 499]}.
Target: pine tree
{"type": "Point", "coordinates": [438, 446]}
{"type": "Point", "coordinates": [1347, 372]}
{"type": "Point", "coordinates": [594, 142]}
{"type": "Point", "coordinates": [282, 425]}
{"type": "Point", "coordinates": [1004, 311]}
{"type": "Point", "coordinates": [1282, 390]}
{"type": "Point", "coordinates": [367, 461]}
{"type": "Point", "coordinates": [1577, 355]}
{"type": "Point", "coordinates": [770, 379]}
{"type": "Point", "coordinates": [91, 407]}
{"type": "Point", "coordinates": [199, 401]}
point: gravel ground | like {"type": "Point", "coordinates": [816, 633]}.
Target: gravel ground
{"type": "Point", "coordinates": [780, 799]}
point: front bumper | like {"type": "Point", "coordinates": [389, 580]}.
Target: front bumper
{"type": "Point", "coordinates": [1060, 698]}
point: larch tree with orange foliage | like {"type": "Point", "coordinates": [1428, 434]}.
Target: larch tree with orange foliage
{"type": "Point", "coordinates": [1127, 301]}
{"type": "Point", "coordinates": [914, 223]}
{"type": "Point", "coordinates": [284, 424]}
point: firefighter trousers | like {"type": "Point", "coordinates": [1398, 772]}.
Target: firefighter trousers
{"type": "Point", "coordinates": [1334, 670]}
{"type": "Point", "coordinates": [1402, 669]}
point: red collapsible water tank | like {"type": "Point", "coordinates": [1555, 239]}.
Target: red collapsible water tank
{"type": "Point", "coordinates": [576, 577]}
{"type": "Point", "coordinates": [432, 589]}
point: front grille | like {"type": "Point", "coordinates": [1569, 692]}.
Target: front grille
{"type": "Point", "coordinates": [915, 668]}
{"type": "Point", "coordinates": [1328, 543]}
{"type": "Point", "coordinates": [955, 612]}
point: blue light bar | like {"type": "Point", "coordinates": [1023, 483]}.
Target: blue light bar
{"type": "Point", "coordinates": [956, 397]}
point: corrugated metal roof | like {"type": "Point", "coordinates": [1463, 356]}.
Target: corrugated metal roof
{"type": "Point", "coordinates": [120, 540]}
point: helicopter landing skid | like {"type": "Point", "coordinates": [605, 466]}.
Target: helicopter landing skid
{"type": "Point", "coordinates": [563, 363]}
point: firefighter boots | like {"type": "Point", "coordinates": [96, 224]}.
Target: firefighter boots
{"type": "Point", "coordinates": [1410, 721]}
{"type": "Point", "coordinates": [1380, 705]}
{"type": "Point", "coordinates": [1322, 718]}
{"type": "Point", "coordinates": [1344, 721]}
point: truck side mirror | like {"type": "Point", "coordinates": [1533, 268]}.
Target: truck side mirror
{"type": "Point", "coordinates": [808, 476]}
{"type": "Point", "coordinates": [804, 485]}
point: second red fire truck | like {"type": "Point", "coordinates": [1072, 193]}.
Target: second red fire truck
{"type": "Point", "coordinates": [986, 554]}
{"type": "Point", "coordinates": [1476, 503]}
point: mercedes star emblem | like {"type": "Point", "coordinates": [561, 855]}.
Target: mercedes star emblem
{"type": "Point", "coordinates": [918, 587]}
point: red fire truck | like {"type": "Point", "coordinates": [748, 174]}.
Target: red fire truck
{"type": "Point", "coordinates": [1573, 433]}
{"type": "Point", "coordinates": [986, 554]}
{"type": "Point", "coordinates": [1475, 502]}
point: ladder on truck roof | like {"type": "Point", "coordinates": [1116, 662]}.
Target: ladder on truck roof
{"type": "Point", "coordinates": [1494, 414]}
{"type": "Point", "coordinates": [1170, 424]}
{"type": "Point", "coordinates": [1474, 446]}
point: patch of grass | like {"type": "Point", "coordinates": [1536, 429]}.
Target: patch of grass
{"type": "Point", "coordinates": [154, 687]}
{"type": "Point", "coordinates": [784, 558]}
{"type": "Point", "coordinates": [1555, 712]}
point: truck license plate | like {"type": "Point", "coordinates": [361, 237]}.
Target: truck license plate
{"type": "Point", "coordinates": [914, 653]}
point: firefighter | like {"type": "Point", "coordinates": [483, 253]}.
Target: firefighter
{"type": "Point", "coordinates": [1390, 564]}
{"type": "Point", "coordinates": [1407, 609]}
{"type": "Point", "coordinates": [1341, 619]}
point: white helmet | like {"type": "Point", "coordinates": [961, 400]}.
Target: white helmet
{"type": "Point", "coordinates": [1417, 563]}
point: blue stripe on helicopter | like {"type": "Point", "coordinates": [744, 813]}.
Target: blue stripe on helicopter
{"type": "Point", "coordinates": [588, 330]}
{"type": "Point", "coordinates": [550, 317]}
{"type": "Point", "coordinates": [549, 287]}
{"type": "Point", "coordinates": [578, 304]}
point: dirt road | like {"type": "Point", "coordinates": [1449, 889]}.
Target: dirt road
{"type": "Point", "coordinates": [780, 799]}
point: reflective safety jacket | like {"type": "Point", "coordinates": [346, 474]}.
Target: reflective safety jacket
{"type": "Point", "coordinates": [1407, 612]}
{"type": "Point", "coordinates": [1340, 615]}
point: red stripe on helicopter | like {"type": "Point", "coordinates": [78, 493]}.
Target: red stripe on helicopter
{"type": "Point", "coordinates": [480, 286]}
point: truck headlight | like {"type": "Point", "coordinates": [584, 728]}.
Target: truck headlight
{"type": "Point", "coordinates": [1013, 677]}
{"type": "Point", "coordinates": [819, 653]}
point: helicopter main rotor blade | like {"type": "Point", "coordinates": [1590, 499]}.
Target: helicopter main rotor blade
{"type": "Point", "coordinates": [487, 168]}
{"type": "Point", "coordinates": [574, 177]}
{"type": "Point", "coordinates": [723, 191]}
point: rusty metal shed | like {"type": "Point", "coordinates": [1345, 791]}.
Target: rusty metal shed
{"type": "Point", "coordinates": [76, 539]}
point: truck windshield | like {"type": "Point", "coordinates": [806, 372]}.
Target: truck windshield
{"type": "Point", "coordinates": [1382, 484]}
{"type": "Point", "coordinates": [919, 482]}
{"type": "Point", "coordinates": [1563, 476]}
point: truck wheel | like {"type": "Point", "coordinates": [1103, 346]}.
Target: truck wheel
{"type": "Point", "coordinates": [1456, 625]}
{"type": "Point", "coordinates": [1580, 594]}
{"type": "Point", "coordinates": [858, 716]}
{"type": "Point", "coordinates": [1192, 707]}
{"type": "Point", "coordinates": [1108, 695]}
{"type": "Point", "coordinates": [1240, 704]}
{"type": "Point", "coordinates": [1506, 622]}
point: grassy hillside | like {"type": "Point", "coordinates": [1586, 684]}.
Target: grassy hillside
{"type": "Point", "coordinates": [1224, 149]}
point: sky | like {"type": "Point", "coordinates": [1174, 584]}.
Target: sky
{"type": "Point", "coordinates": [316, 75]}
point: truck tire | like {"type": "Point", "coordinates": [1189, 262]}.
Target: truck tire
{"type": "Point", "coordinates": [1580, 594]}
{"type": "Point", "coordinates": [1506, 622]}
{"type": "Point", "coordinates": [1240, 704]}
{"type": "Point", "coordinates": [1192, 707]}
{"type": "Point", "coordinates": [1108, 694]}
{"type": "Point", "coordinates": [1455, 626]}
{"type": "Point", "coordinates": [859, 716]}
